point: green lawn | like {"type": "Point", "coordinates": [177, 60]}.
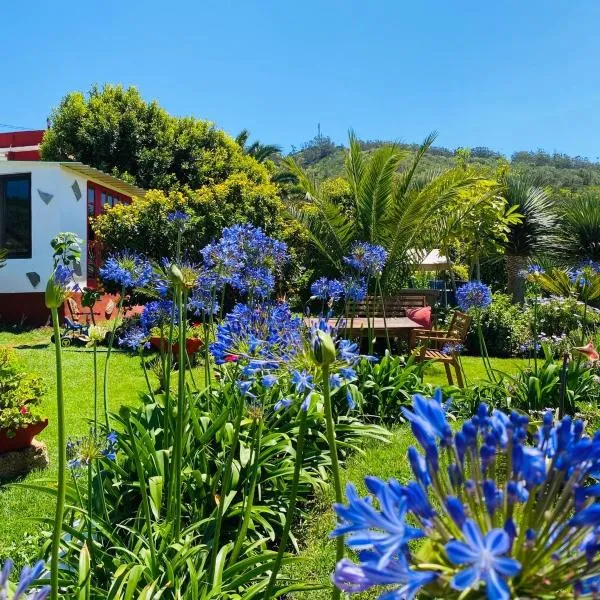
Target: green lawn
{"type": "Point", "coordinates": [19, 507]}
{"type": "Point", "coordinates": [381, 460]}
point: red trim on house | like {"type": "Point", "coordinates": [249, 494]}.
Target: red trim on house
{"type": "Point", "coordinates": [27, 309]}
{"type": "Point", "coordinates": [21, 139]}
{"type": "Point", "coordinates": [97, 198]}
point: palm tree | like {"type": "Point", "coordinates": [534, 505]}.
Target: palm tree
{"type": "Point", "coordinates": [578, 235]}
{"type": "Point", "coordinates": [3, 255]}
{"type": "Point", "coordinates": [261, 152]}
{"type": "Point", "coordinates": [392, 203]}
{"type": "Point", "coordinates": [530, 237]}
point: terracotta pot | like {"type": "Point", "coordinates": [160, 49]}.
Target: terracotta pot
{"type": "Point", "coordinates": [192, 345]}
{"type": "Point", "coordinates": [23, 437]}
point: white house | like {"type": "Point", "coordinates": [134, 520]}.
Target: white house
{"type": "Point", "coordinates": [39, 199]}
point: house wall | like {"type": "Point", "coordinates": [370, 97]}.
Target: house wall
{"type": "Point", "coordinates": [20, 300]}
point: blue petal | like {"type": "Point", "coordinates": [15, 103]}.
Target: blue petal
{"type": "Point", "coordinates": [473, 535]}
{"type": "Point", "coordinates": [496, 588]}
{"type": "Point", "coordinates": [465, 579]}
{"type": "Point", "coordinates": [507, 567]}
{"type": "Point", "coordinates": [459, 553]}
{"type": "Point", "coordinates": [497, 541]}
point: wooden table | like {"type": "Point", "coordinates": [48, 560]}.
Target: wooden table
{"type": "Point", "coordinates": [396, 326]}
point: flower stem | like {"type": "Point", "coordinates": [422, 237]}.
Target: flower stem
{"type": "Point", "coordinates": [335, 466]}
{"type": "Point", "coordinates": [291, 507]}
{"type": "Point", "coordinates": [62, 460]}
{"type": "Point", "coordinates": [108, 353]}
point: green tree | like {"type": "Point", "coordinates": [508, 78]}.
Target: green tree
{"type": "Point", "coordinates": [115, 130]}
{"type": "Point", "coordinates": [392, 203]}
{"type": "Point", "coordinates": [532, 236]}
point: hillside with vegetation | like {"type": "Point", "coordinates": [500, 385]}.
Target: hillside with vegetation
{"type": "Point", "coordinates": [324, 160]}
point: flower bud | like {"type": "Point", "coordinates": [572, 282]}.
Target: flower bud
{"type": "Point", "coordinates": [176, 274]}
{"type": "Point", "coordinates": [323, 348]}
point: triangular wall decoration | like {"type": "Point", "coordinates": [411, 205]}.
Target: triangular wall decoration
{"type": "Point", "coordinates": [34, 278]}
{"type": "Point", "coordinates": [45, 196]}
{"type": "Point", "coordinates": [76, 190]}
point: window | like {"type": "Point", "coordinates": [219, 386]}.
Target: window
{"type": "Point", "coordinates": [15, 215]}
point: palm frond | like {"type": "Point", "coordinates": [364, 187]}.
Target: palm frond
{"type": "Point", "coordinates": [354, 163]}
{"type": "Point", "coordinates": [579, 233]}
{"type": "Point", "coordinates": [406, 177]}
{"type": "Point", "coordinates": [242, 138]}
{"type": "Point", "coordinates": [374, 193]}
{"type": "Point", "coordinates": [262, 152]}
{"type": "Point", "coordinates": [3, 257]}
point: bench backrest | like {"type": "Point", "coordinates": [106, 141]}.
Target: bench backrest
{"type": "Point", "coordinates": [395, 306]}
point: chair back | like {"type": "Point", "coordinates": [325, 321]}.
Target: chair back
{"type": "Point", "coordinates": [459, 326]}
{"type": "Point", "coordinates": [395, 306]}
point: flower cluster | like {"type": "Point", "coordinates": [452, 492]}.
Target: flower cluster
{"type": "Point", "coordinates": [473, 296]}
{"type": "Point", "coordinates": [501, 517]}
{"type": "Point", "coordinates": [245, 258]}
{"type": "Point", "coordinates": [27, 577]}
{"type": "Point", "coordinates": [127, 270]}
{"type": "Point", "coordinates": [367, 259]}
{"type": "Point", "coordinates": [61, 286]}
{"type": "Point", "coordinates": [263, 334]}
{"type": "Point", "coordinates": [326, 289]}
{"type": "Point", "coordinates": [82, 451]}
{"type": "Point", "coordinates": [355, 288]}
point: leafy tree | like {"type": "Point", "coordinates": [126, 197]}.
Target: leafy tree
{"type": "Point", "coordinates": [389, 208]}
{"type": "Point", "coordinates": [261, 152]}
{"type": "Point", "coordinates": [115, 130]}
{"type": "Point", "coordinates": [532, 235]}
{"type": "Point", "coordinates": [578, 233]}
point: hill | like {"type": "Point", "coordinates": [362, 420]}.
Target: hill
{"type": "Point", "coordinates": [324, 159]}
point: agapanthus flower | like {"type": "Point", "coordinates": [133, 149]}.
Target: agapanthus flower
{"type": "Point", "coordinates": [179, 218]}
{"type": "Point", "coordinates": [452, 348]}
{"type": "Point", "coordinates": [326, 289]}
{"type": "Point", "coordinates": [127, 270]}
{"type": "Point", "coordinates": [134, 339]}
{"type": "Point", "coordinates": [355, 288]}
{"type": "Point", "coordinates": [202, 301]}
{"type": "Point", "coordinates": [22, 591]}
{"type": "Point", "coordinates": [61, 286]}
{"type": "Point", "coordinates": [158, 313]}
{"type": "Point", "coordinates": [82, 451]}
{"type": "Point", "coordinates": [367, 259]}
{"type": "Point", "coordinates": [531, 530]}
{"type": "Point", "coordinates": [473, 295]}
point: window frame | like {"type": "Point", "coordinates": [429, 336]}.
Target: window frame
{"type": "Point", "coordinates": [4, 220]}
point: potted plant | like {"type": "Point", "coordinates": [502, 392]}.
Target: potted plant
{"type": "Point", "coordinates": [20, 396]}
{"type": "Point", "coordinates": [159, 338]}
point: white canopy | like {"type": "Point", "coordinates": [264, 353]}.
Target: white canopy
{"type": "Point", "coordinates": [433, 261]}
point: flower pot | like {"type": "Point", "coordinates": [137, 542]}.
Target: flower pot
{"type": "Point", "coordinates": [22, 438]}
{"type": "Point", "coordinates": [192, 345]}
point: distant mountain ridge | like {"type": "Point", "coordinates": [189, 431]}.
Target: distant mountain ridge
{"type": "Point", "coordinates": [324, 160]}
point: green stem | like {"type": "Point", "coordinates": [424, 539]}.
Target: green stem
{"type": "Point", "coordinates": [226, 483]}
{"type": "Point", "coordinates": [95, 388]}
{"type": "Point", "coordinates": [179, 424]}
{"type": "Point", "coordinates": [387, 333]}
{"type": "Point", "coordinates": [62, 460]}
{"type": "Point", "coordinates": [335, 466]}
{"type": "Point", "coordinates": [144, 492]}
{"type": "Point", "coordinates": [90, 511]}
{"type": "Point", "coordinates": [108, 353]}
{"type": "Point", "coordinates": [291, 507]}
{"type": "Point", "coordinates": [535, 334]}
{"type": "Point", "coordinates": [241, 538]}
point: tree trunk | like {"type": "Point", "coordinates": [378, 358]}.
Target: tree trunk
{"type": "Point", "coordinates": [515, 265]}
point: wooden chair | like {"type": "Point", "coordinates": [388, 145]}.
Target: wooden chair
{"type": "Point", "coordinates": [431, 342]}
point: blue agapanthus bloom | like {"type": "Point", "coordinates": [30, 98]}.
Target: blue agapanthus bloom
{"type": "Point", "coordinates": [367, 259]}
{"type": "Point", "coordinates": [355, 288]}
{"type": "Point", "coordinates": [326, 289]}
{"type": "Point", "coordinates": [158, 314]}
{"type": "Point", "coordinates": [502, 518]}
{"type": "Point", "coordinates": [179, 217]}
{"type": "Point", "coordinates": [473, 295]}
{"type": "Point", "coordinates": [267, 332]}
{"type": "Point", "coordinates": [134, 339]}
{"type": "Point", "coordinates": [22, 591]}
{"type": "Point", "coordinates": [127, 270]}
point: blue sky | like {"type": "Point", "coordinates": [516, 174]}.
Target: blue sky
{"type": "Point", "coordinates": [508, 74]}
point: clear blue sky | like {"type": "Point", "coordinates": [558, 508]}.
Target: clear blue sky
{"type": "Point", "coordinates": [510, 75]}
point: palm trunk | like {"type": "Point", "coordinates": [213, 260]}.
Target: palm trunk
{"type": "Point", "coordinates": [515, 265]}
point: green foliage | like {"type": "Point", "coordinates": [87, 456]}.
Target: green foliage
{"type": "Point", "coordinates": [66, 248]}
{"type": "Point", "coordinates": [578, 236]}
{"type": "Point", "coordinates": [20, 395]}
{"type": "Point", "coordinates": [388, 385]}
{"type": "Point", "coordinates": [505, 327]}
{"type": "Point", "coordinates": [3, 255]}
{"type": "Point", "coordinates": [388, 207]}
{"type": "Point", "coordinates": [565, 315]}
{"type": "Point", "coordinates": [115, 130]}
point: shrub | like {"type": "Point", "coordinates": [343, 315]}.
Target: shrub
{"type": "Point", "coordinates": [560, 316]}
{"type": "Point", "coordinates": [505, 327]}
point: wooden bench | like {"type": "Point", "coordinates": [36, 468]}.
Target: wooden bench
{"type": "Point", "coordinates": [395, 306]}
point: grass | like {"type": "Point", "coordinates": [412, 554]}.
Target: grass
{"type": "Point", "coordinates": [383, 460]}
{"type": "Point", "coordinates": [19, 507]}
